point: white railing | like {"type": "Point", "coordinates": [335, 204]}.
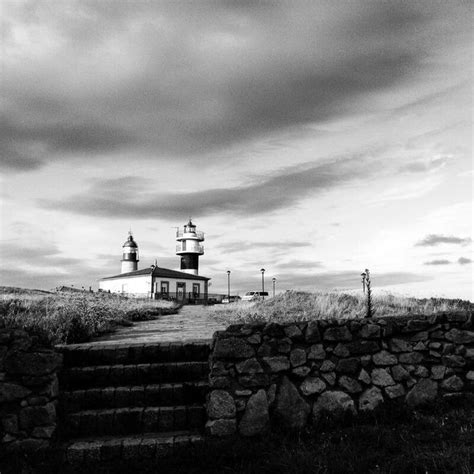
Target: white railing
{"type": "Point", "coordinates": [199, 235]}
{"type": "Point", "coordinates": [194, 249]}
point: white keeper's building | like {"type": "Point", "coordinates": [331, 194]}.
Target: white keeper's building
{"type": "Point", "coordinates": [156, 282]}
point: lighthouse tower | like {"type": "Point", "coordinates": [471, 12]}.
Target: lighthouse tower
{"type": "Point", "coordinates": [189, 248]}
{"type": "Point", "coordinates": [129, 255]}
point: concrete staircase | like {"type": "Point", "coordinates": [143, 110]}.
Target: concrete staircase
{"type": "Point", "coordinates": [126, 403]}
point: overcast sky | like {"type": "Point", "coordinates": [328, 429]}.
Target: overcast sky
{"type": "Point", "coordinates": [314, 139]}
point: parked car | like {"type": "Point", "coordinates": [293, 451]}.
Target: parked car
{"type": "Point", "coordinates": [232, 299]}
{"type": "Point", "coordinates": [254, 295]}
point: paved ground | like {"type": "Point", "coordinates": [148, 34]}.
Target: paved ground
{"type": "Point", "coordinates": [192, 323]}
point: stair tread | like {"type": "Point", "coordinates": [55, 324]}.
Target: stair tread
{"type": "Point", "coordinates": [141, 364]}
{"type": "Point", "coordinates": [158, 436]}
{"type": "Point", "coordinates": [129, 408]}
{"type": "Point", "coordinates": [202, 383]}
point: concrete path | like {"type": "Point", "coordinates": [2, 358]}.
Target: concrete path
{"type": "Point", "coordinates": [191, 324]}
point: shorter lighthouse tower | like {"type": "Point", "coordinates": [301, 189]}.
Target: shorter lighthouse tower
{"type": "Point", "coordinates": [189, 248]}
{"type": "Point", "coordinates": [129, 255]}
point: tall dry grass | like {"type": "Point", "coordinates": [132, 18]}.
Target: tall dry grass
{"type": "Point", "coordinates": [301, 306]}
{"type": "Point", "coordinates": [66, 317]}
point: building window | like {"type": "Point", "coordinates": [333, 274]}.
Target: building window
{"type": "Point", "coordinates": [195, 290]}
{"type": "Point", "coordinates": [180, 291]}
{"type": "Point", "coordinates": [165, 288]}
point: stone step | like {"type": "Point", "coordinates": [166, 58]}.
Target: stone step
{"type": "Point", "coordinates": [166, 394]}
{"type": "Point", "coordinates": [114, 451]}
{"type": "Point", "coordinates": [132, 420]}
{"type": "Point", "coordinates": [94, 354]}
{"type": "Point", "coordinates": [139, 374]}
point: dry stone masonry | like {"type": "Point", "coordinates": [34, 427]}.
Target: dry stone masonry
{"type": "Point", "coordinates": [28, 392]}
{"type": "Point", "coordinates": [293, 374]}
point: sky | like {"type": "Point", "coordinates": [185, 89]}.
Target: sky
{"type": "Point", "coordinates": [313, 139]}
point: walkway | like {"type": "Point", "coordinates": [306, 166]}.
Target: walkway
{"type": "Point", "coordinates": [191, 324]}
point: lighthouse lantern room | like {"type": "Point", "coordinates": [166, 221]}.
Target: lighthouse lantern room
{"type": "Point", "coordinates": [129, 255]}
{"type": "Point", "coordinates": [189, 248]}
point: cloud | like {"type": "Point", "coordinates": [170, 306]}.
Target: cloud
{"type": "Point", "coordinates": [299, 265]}
{"type": "Point", "coordinates": [232, 247]}
{"type": "Point", "coordinates": [464, 260]}
{"type": "Point", "coordinates": [422, 166]}
{"type": "Point", "coordinates": [129, 196]}
{"type": "Point", "coordinates": [97, 77]}
{"type": "Point", "coordinates": [436, 239]}
{"type": "Point", "coordinates": [438, 262]}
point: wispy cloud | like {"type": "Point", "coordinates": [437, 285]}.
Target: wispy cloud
{"type": "Point", "coordinates": [438, 262]}
{"type": "Point", "coordinates": [464, 260]}
{"type": "Point", "coordinates": [435, 239]}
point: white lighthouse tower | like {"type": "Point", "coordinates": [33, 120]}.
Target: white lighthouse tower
{"type": "Point", "coordinates": [129, 255]}
{"type": "Point", "coordinates": [189, 248]}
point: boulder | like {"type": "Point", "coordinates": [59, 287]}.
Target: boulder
{"type": "Point", "coordinates": [255, 419]}
{"type": "Point", "coordinates": [317, 352]}
{"type": "Point", "coordinates": [400, 373]}
{"type": "Point", "coordinates": [395, 391]}
{"type": "Point", "coordinates": [333, 403]}
{"type": "Point", "coordinates": [297, 357]}
{"type": "Point", "coordinates": [370, 399]}
{"type": "Point", "coordinates": [384, 358]}
{"type": "Point", "coordinates": [12, 391]}
{"type": "Point", "coordinates": [312, 332]}
{"type": "Point", "coordinates": [364, 377]}
{"type": "Point", "coordinates": [411, 358]}
{"type": "Point", "coordinates": [349, 384]}
{"type": "Point", "coordinates": [437, 372]}
{"type": "Point", "coordinates": [363, 347]}
{"type": "Point", "coordinates": [338, 333]}
{"type": "Point", "coordinates": [399, 345]}
{"type": "Point", "coordinates": [221, 405]}
{"type": "Point", "coordinates": [459, 336]}
{"type": "Point", "coordinates": [424, 392]}
{"type": "Point", "coordinates": [249, 366]}
{"type": "Point", "coordinates": [348, 366]}
{"type": "Point", "coordinates": [370, 331]}
{"type": "Point", "coordinates": [291, 410]}
{"type": "Point", "coordinates": [453, 384]}
{"type": "Point", "coordinates": [31, 417]}
{"type": "Point", "coordinates": [312, 385]}
{"type": "Point", "coordinates": [277, 363]}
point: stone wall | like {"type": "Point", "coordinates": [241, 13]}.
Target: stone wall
{"type": "Point", "coordinates": [28, 392]}
{"type": "Point", "coordinates": [294, 374]}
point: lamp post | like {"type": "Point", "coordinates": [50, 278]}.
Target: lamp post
{"type": "Point", "coordinates": [228, 284]}
{"type": "Point", "coordinates": [263, 281]}
{"type": "Point", "coordinates": [363, 275]}
{"type": "Point", "coordinates": [274, 282]}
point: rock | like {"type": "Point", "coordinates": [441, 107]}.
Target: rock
{"type": "Point", "coordinates": [12, 391]}
{"type": "Point", "coordinates": [233, 348]}
{"type": "Point", "coordinates": [470, 375]}
{"type": "Point", "coordinates": [341, 351]}
{"type": "Point", "coordinates": [291, 410]}
{"type": "Point", "coordinates": [243, 393]}
{"type": "Point", "coordinates": [249, 366]}
{"type": "Point", "coordinates": [453, 361]}
{"type": "Point", "coordinates": [349, 384]}
{"type": "Point", "coordinates": [382, 378]}
{"type": "Point", "coordinates": [254, 339]}
{"type": "Point", "coordinates": [424, 392]}
{"type": "Point", "coordinates": [469, 355]}
{"type": "Point", "coordinates": [312, 332]}
{"type": "Point", "coordinates": [218, 368]}
{"type": "Point", "coordinates": [399, 345]}
{"type": "Point", "coordinates": [348, 366]}
{"type": "Point", "coordinates": [363, 347]}
{"type": "Point", "coordinates": [297, 357]}
{"type": "Point", "coordinates": [220, 382]}
{"type": "Point", "coordinates": [255, 419]}
{"type": "Point", "coordinates": [301, 371]}
{"type": "Point", "coordinates": [400, 373]}
{"type": "Point", "coordinates": [452, 384]}
{"type": "Point", "coordinates": [317, 352]}
{"type": "Point", "coordinates": [460, 336]}
{"type": "Point", "coordinates": [419, 336]}
{"type": "Point", "coordinates": [284, 345]}
{"type": "Point", "coordinates": [221, 427]}
{"type": "Point", "coordinates": [10, 423]}
{"type": "Point", "coordinates": [293, 332]}
{"type": "Point", "coordinates": [32, 363]}
{"type": "Point", "coordinates": [277, 363]}
{"type": "Point", "coordinates": [437, 372]}
{"type": "Point", "coordinates": [45, 432]}
{"type": "Point", "coordinates": [271, 394]}
{"type": "Point", "coordinates": [370, 399]}
{"type": "Point", "coordinates": [327, 366]}
{"type": "Point", "coordinates": [336, 404]}
{"type": "Point", "coordinates": [35, 416]}
{"type": "Point", "coordinates": [364, 377]}
{"type": "Point", "coordinates": [411, 358]}
{"type": "Point", "coordinates": [421, 371]}
{"type": "Point", "coordinates": [312, 385]}
{"type": "Point", "coordinates": [221, 405]}
{"type": "Point", "coordinates": [330, 377]}
{"type": "Point", "coordinates": [254, 380]}
{"type": "Point", "coordinates": [384, 358]}
{"type": "Point", "coordinates": [395, 391]}
{"type": "Point", "coordinates": [370, 331]}
{"type": "Point", "coordinates": [338, 333]}
{"type": "Point", "coordinates": [273, 330]}
{"type": "Point", "coordinates": [416, 325]}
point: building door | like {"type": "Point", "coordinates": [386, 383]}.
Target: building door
{"type": "Point", "coordinates": [180, 291]}
{"type": "Point", "coordinates": [196, 291]}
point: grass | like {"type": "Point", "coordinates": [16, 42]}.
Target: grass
{"type": "Point", "coordinates": [71, 317]}
{"type": "Point", "coordinates": [301, 306]}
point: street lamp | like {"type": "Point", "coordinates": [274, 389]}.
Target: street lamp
{"type": "Point", "coordinates": [263, 281]}
{"type": "Point", "coordinates": [228, 284]}
{"type": "Point", "coordinates": [274, 282]}
{"type": "Point", "coordinates": [363, 275]}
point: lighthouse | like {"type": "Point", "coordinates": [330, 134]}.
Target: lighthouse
{"type": "Point", "coordinates": [189, 248]}
{"type": "Point", "coordinates": [129, 255]}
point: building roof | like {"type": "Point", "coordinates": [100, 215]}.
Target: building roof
{"type": "Point", "coordinates": [158, 272]}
